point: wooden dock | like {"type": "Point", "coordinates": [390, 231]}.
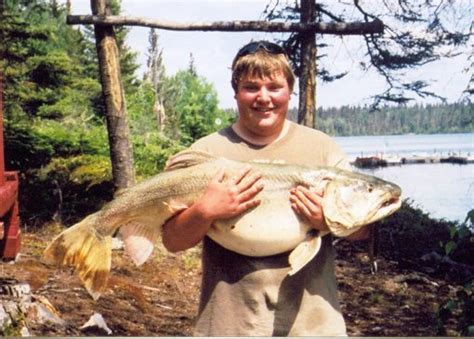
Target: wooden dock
{"type": "Point", "coordinates": [390, 160]}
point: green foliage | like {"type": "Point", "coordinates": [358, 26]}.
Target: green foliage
{"type": "Point", "coordinates": [46, 73]}
{"type": "Point", "coordinates": [75, 103]}
{"type": "Point", "coordinates": [25, 148]}
{"type": "Point", "coordinates": [410, 233]}
{"type": "Point", "coordinates": [67, 189]}
{"type": "Point", "coordinates": [142, 119]}
{"type": "Point", "coordinates": [191, 259]}
{"type": "Point", "coordinates": [151, 151]}
{"type": "Point", "coordinates": [54, 129]}
{"type": "Point", "coordinates": [192, 108]}
{"type": "Point", "coordinates": [459, 235]}
{"type": "Point", "coordinates": [347, 120]}
{"type": "Point", "coordinates": [461, 307]}
{"type": "Point", "coordinates": [460, 246]}
{"type": "Point", "coordinates": [14, 327]}
{"type": "Point", "coordinates": [34, 145]}
{"type": "Point", "coordinates": [82, 169]}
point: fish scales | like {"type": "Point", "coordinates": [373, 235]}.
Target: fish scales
{"type": "Point", "coordinates": [350, 200]}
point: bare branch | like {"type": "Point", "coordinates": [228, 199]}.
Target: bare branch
{"type": "Point", "coordinates": [336, 28]}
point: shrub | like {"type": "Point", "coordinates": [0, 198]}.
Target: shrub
{"type": "Point", "coordinates": [33, 145]}
{"type": "Point", "coordinates": [66, 190]}
{"type": "Point", "coordinates": [151, 152]}
{"type": "Point", "coordinates": [410, 233]}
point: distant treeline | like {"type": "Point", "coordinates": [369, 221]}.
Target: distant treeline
{"type": "Point", "coordinates": [419, 119]}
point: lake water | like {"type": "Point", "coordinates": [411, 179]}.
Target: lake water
{"type": "Point", "coordinates": [443, 190]}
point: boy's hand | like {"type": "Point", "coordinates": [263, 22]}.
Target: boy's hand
{"type": "Point", "coordinates": [307, 204]}
{"type": "Point", "coordinates": [223, 200]}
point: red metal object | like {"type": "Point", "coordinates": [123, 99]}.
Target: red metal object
{"type": "Point", "coordinates": [9, 220]}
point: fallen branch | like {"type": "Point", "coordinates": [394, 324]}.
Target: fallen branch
{"type": "Point", "coordinates": [337, 28]}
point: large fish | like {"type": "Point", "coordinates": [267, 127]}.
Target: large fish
{"type": "Point", "coordinates": [350, 201]}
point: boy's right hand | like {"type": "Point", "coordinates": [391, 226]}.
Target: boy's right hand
{"type": "Point", "coordinates": [226, 199]}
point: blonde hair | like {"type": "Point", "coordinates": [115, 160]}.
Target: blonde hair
{"type": "Point", "coordinates": [261, 64]}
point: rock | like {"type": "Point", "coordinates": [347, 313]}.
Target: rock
{"type": "Point", "coordinates": [42, 311]}
{"type": "Point", "coordinates": [24, 332]}
{"type": "Point", "coordinates": [414, 278]}
{"type": "Point", "coordinates": [11, 309]}
{"type": "Point", "coordinates": [5, 319]}
{"type": "Point", "coordinates": [96, 321]}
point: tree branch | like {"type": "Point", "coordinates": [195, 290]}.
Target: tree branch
{"type": "Point", "coordinates": [336, 28]}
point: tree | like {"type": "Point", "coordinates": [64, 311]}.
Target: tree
{"type": "Point", "coordinates": [45, 75]}
{"type": "Point", "coordinates": [155, 74]}
{"type": "Point", "coordinates": [416, 32]}
{"type": "Point", "coordinates": [192, 107]}
{"type": "Point", "coordinates": [306, 27]}
{"type": "Point", "coordinates": [46, 83]}
{"type": "Point", "coordinates": [121, 152]}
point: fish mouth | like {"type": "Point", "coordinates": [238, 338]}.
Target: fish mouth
{"type": "Point", "coordinates": [392, 199]}
{"type": "Point", "coordinates": [392, 203]}
{"type": "Point", "coordinates": [388, 206]}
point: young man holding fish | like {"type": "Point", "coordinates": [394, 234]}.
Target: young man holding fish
{"type": "Point", "coordinates": [255, 296]}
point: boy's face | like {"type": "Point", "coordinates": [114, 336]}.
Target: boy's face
{"type": "Point", "coordinates": [263, 104]}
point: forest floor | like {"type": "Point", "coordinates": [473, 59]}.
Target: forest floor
{"type": "Point", "coordinates": [160, 298]}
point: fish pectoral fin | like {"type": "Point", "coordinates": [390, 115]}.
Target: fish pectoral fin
{"type": "Point", "coordinates": [139, 240]}
{"type": "Point", "coordinates": [175, 206]}
{"type": "Point", "coordinates": [304, 252]}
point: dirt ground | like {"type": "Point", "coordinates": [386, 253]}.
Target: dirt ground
{"type": "Point", "coordinates": [160, 298]}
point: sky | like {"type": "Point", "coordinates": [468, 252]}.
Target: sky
{"type": "Point", "coordinates": [213, 52]}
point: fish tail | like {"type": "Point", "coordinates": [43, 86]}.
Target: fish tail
{"type": "Point", "coordinates": [82, 247]}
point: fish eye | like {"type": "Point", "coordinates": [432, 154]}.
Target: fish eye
{"type": "Point", "coordinates": [370, 189]}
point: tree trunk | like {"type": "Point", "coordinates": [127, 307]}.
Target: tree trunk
{"type": "Point", "coordinates": [160, 114]}
{"type": "Point", "coordinates": [307, 79]}
{"type": "Point", "coordinates": [121, 153]}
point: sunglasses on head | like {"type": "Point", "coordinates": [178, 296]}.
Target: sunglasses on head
{"type": "Point", "coordinates": [253, 47]}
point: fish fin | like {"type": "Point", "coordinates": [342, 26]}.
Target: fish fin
{"type": "Point", "coordinates": [188, 158]}
{"type": "Point", "coordinates": [304, 252]}
{"type": "Point", "coordinates": [139, 240]}
{"type": "Point", "coordinates": [82, 247]}
{"type": "Point", "coordinates": [175, 206]}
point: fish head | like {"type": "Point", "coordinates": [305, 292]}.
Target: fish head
{"type": "Point", "coordinates": [352, 200]}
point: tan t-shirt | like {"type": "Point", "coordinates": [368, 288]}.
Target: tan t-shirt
{"type": "Point", "coordinates": [247, 296]}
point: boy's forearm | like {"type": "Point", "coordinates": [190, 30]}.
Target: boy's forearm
{"type": "Point", "coordinates": [185, 230]}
